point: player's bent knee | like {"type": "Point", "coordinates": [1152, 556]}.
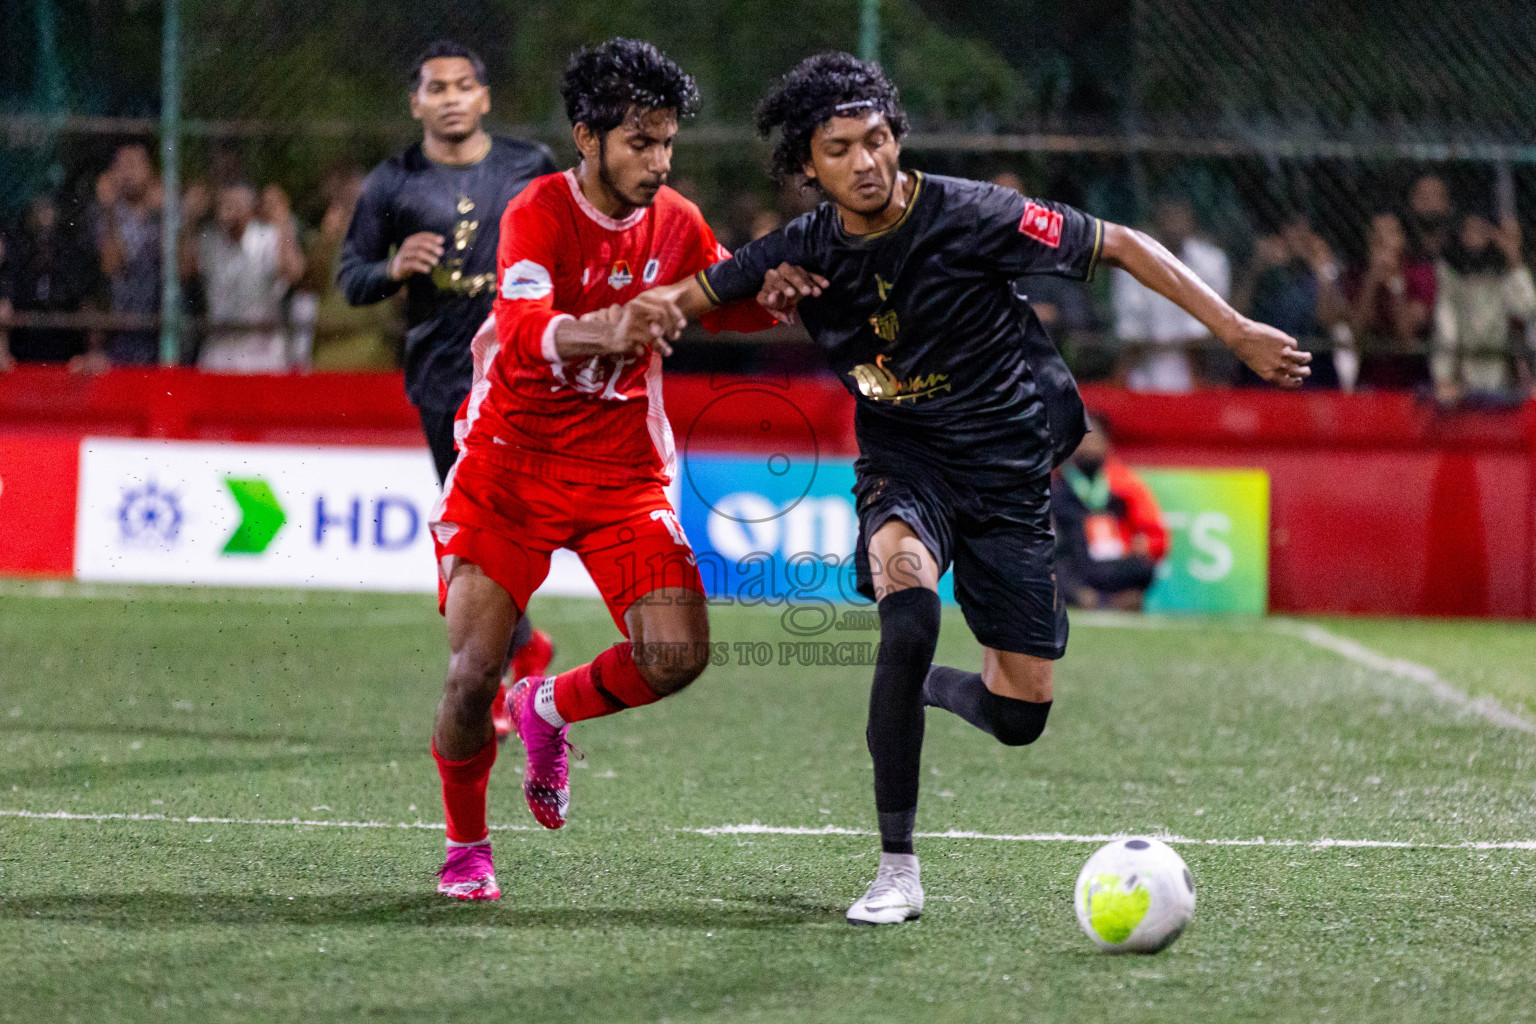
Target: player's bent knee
{"type": "Point", "coordinates": [472, 677]}
{"type": "Point", "coordinates": [670, 677]}
{"type": "Point", "coordinates": [1016, 723]}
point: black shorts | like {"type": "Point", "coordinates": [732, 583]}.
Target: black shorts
{"type": "Point", "coordinates": [998, 539]}
{"type": "Point", "coordinates": [437, 425]}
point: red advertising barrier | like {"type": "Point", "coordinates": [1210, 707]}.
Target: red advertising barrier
{"type": "Point", "coordinates": [39, 478]}
{"type": "Point", "coordinates": [1381, 503]}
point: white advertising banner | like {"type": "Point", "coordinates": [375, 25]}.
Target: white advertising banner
{"type": "Point", "coordinates": [264, 515]}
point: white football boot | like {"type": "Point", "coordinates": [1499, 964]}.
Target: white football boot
{"type": "Point", "coordinates": [896, 894]}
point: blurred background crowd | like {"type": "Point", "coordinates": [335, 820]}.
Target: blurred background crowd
{"type": "Point", "coordinates": [1371, 202]}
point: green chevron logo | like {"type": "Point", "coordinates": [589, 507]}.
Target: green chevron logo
{"type": "Point", "coordinates": [261, 516]}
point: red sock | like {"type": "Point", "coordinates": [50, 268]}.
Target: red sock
{"type": "Point", "coordinates": [464, 793]}
{"type": "Point", "coordinates": [608, 683]}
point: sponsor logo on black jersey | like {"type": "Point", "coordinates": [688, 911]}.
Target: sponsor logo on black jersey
{"type": "Point", "coordinates": [1042, 224]}
{"type": "Point", "coordinates": [878, 383]}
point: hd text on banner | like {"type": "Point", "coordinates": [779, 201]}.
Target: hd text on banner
{"type": "Point", "coordinates": [265, 515]}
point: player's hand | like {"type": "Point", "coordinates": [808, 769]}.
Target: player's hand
{"type": "Point", "coordinates": [651, 321]}
{"type": "Point", "coordinates": [1270, 353]}
{"type": "Point", "coordinates": [606, 315]}
{"type": "Point", "coordinates": [418, 255]}
{"type": "Point", "coordinates": [784, 287]}
{"type": "Point", "coordinates": [630, 334]}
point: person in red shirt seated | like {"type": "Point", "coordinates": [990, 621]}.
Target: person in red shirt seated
{"type": "Point", "coordinates": [1110, 534]}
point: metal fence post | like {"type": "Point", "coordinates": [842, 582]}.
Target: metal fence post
{"type": "Point", "coordinates": [869, 30]}
{"type": "Point", "coordinates": [170, 215]}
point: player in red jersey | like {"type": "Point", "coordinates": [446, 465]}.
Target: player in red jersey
{"type": "Point", "coordinates": [564, 444]}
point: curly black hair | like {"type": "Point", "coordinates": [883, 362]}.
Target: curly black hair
{"type": "Point", "coordinates": [602, 82]}
{"type": "Point", "coordinates": [818, 89]}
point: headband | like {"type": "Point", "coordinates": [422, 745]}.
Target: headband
{"type": "Point", "coordinates": [852, 105]}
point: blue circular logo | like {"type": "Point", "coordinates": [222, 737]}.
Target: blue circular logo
{"type": "Point", "coordinates": [149, 516]}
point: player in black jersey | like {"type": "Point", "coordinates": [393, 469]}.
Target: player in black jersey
{"type": "Point", "coordinates": [905, 280]}
{"type": "Point", "coordinates": [430, 219]}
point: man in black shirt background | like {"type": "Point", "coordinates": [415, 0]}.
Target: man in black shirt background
{"type": "Point", "coordinates": [430, 219]}
{"type": "Point", "coordinates": [906, 282]}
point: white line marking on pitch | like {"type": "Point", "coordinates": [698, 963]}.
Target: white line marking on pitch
{"type": "Point", "coordinates": [1486, 708]}
{"type": "Point", "coordinates": [1107, 837]}
{"type": "Point", "coordinates": [134, 593]}
{"type": "Point", "coordinates": [756, 829]}
{"type": "Point", "coordinates": [196, 820]}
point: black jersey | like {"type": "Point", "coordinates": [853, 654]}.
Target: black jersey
{"type": "Point", "coordinates": [410, 193]}
{"type": "Point", "coordinates": [922, 323]}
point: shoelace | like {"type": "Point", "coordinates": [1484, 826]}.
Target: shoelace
{"type": "Point", "coordinates": [477, 863]}
{"type": "Point", "coordinates": [885, 883]}
{"type": "Point", "coordinates": [564, 746]}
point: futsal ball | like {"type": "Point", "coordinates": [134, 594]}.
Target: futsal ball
{"type": "Point", "coordinates": [1135, 896]}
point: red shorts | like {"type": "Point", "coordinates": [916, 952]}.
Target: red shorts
{"type": "Point", "coordinates": [509, 522]}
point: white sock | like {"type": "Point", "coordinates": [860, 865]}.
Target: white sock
{"type": "Point", "coordinates": [464, 846]}
{"type": "Point", "coordinates": [904, 862]}
{"type": "Point", "coordinates": [544, 703]}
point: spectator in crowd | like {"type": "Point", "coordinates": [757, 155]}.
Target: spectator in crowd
{"type": "Point", "coordinates": [1158, 337]}
{"type": "Point", "coordinates": [747, 220]}
{"type": "Point", "coordinates": [1293, 283]}
{"type": "Point", "coordinates": [1110, 533]}
{"type": "Point", "coordinates": [1432, 217]}
{"type": "Point", "coordinates": [1482, 285]}
{"type": "Point", "coordinates": [1391, 300]}
{"type": "Point", "coordinates": [247, 266]}
{"type": "Point", "coordinates": [126, 223]}
{"type": "Point", "coordinates": [345, 337]}
{"type": "Point", "coordinates": [49, 268]}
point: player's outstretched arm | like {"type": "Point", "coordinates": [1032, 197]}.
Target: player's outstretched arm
{"type": "Point", "coordinates": [781, 291]}
{"type": "Point", "coordinates": [645, 322]}
{"type": "Point", "coordinates": [1270, 353]}
{"type": "Point", "coordinates": [686, 296]}
{"type": "Point", "coordinates": [784, 287]}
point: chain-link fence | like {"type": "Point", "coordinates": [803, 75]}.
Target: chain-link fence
{"type": "Point", "coordinates": [1288, 128]}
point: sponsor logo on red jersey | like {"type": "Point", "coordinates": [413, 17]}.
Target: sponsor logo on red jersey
{"type": "Point", "coordinates": [1042, 224]}
{"type": "Point", "coordinates": [652, 268]}
{"type": "Point", "coordinates": [526, 279]}
{"type": "Point", "coordinates": [620, 277]}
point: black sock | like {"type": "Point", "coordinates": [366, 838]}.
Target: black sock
{"type": "Point", "coordinates": [1013, 722]}
{"type": "Point", "coordinates": [909, 631]}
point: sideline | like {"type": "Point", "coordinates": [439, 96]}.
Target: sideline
{"type": "Point", "coordinates": [755, 829]}
{"type": "Point", "coordinates": [1486, 708]}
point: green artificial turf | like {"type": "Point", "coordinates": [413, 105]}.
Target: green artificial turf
{"type": "Point", "coordinates": [1495, 659]}
{"type": "Point", "coordinates": [270, 705]}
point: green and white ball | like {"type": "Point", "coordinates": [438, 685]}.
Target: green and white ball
{"type": "Point", "coordinates": [1135, 895]}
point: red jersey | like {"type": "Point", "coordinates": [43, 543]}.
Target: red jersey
{"type": "Point", "coordinates": [597, 419]}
